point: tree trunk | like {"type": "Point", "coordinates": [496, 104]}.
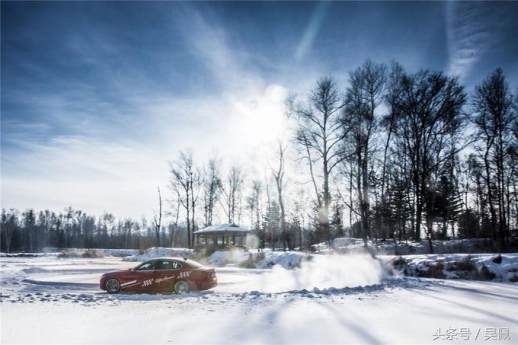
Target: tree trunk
{"type": "Point", "coordinates": [490, 192]}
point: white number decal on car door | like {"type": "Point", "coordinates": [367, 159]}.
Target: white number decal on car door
{"type": "Point", "coordinates": [147, 282]}
{"type": "Point", "coordinates": [184, 274]}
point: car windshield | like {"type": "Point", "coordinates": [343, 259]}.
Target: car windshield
{"type": "Point", "coordinates": [194, 264]}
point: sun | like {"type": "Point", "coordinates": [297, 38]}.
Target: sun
{"type": "Point", "coordinates": [261, 118]}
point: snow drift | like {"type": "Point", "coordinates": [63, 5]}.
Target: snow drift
{"type": "Point", "coordinates": [460, 266]}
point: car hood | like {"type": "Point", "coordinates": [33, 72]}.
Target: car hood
{"type": "Point", "coordinates": [114, 273]}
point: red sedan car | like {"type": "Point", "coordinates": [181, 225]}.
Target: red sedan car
{"type": "Point", "coordinates": [161, 275]}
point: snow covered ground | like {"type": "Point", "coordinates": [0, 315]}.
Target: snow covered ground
{"type": "Point", "coordinates": [330, 300]}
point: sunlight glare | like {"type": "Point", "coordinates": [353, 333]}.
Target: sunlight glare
{"type": "Point", "coordinates": [261, 118]}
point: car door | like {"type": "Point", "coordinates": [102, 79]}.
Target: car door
{"type": "Point", "coordinates": [166, 274]}
{"type": "Point", "coordinates": [184, 271]}
{"type": "Point", "coordinates": [145, 277]}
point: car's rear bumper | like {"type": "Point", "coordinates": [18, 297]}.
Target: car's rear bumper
{"type": "Point", "coordinates": [205, 285]}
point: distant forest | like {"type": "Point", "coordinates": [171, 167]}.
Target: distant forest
{"type": "Point", "coordinates": [394, 155]}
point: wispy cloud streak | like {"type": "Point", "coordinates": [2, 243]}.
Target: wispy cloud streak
{"type": "Point", "coordinates": [312, 30]}
{"type": "Point", "coordinates": [476, 29]}
{"type": "Point", "coordinates": [467, 37]}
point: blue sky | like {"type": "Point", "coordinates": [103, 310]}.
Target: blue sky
{"type": "Point", "coordinates": [97, 97]}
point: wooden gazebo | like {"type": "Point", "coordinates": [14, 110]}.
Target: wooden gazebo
{"type": "Point", "coordinates": [221, 235]}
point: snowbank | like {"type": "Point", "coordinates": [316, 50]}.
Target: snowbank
{"type": "Point", "coordinates": [80, 253]}
{"type": "Point", "coordinates": [76, 252]}
{"type": "Point", "coordinates": [264, 259]}
{"type": "Point", "coordinates": [157, 252]}
{"type": "Point", "coordinates": [389, 247]}
{"type": "Point", "coordinates": [25, 255]}
{"type": "Point", "coordinates": [225, 257]}
{"type": "Point", "coordinates": [118, 252]}
{"type": "Point", "coordinates": [96, 252]}
{"type": "Point", "coordinates": [460, 266]}
{"type": "Point", "coordinates": [287, 260]}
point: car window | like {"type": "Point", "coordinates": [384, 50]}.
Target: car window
{"type": "Point", "coordinates": [146, 266]}
{"type": "Point", "coordinates": [176, 265]}
{"type": "Point", "coordinates": [168, 265]}
{"type": "Point", "coordinates": [164, 265]}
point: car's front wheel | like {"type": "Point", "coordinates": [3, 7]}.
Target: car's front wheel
{"type": "Point", "coordinates": [181, 287]}
{"type": "Point", "coordinates": [113, 285]}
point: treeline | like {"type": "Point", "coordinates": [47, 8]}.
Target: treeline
{"type": "Point", "coordinates": [394, 155]}
{"type": "Point", "coordinates": [32, 231]}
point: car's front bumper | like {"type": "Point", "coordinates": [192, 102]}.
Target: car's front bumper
{"type": "Point", "coordinates": [102, 283]}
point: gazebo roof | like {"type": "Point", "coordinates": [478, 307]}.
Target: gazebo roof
{"type": "Point", "coordinates": [222, 229]}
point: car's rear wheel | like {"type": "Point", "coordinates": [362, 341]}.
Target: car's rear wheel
{"type": "Point", "coordinates": [182, 287]}
{"type": "Point", "coordinates": [113, 285]}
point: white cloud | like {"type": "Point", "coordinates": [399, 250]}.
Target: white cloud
{"type": "Point", "coordinates": [468, 37]}
{"type": "Point", "coordinates": [86, 173]}
{"type": "Point", "coordinates": [112, 156]}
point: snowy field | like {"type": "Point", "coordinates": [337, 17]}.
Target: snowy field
{"type": "Point", "coordinates": [330, 300]}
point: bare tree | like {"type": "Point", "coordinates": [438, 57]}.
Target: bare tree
{"type": "Point", "coordinates": [269, 222]}
{"type": "Point", "coordinates": [278, 175]}
{"type": "Point", "coordinates": [494, 117]}
{"type": "Point", "coordinates": [387, 123]}
{"type": "Point", "coordinates": [211, 190]}
{"type": "Point", "coordinates": [254, 204]}
{"type": "Point", "coordinates": [427, 114]}
{"type": "Point", "coordinates": [185, 182]}
{"type": "Point", "coordinates": [175, 213]}
{"type": "Point", "coordinates": [232, 193]}
{"type": "Point", "coordinates": [319, 135]}
{"type": "Point", "coordinates": [157, 219]}
{"type": "Point", "coordinates": [363, 96]}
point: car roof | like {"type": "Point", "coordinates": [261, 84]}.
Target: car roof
{"type": "Point", "coordinates": [190, 262]}
{"type": "Point", "coordinates": [176, 258]}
